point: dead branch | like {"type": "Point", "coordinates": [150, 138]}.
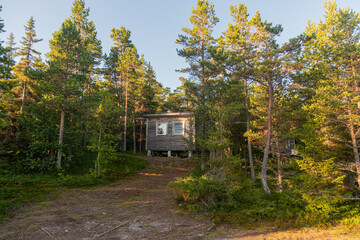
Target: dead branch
{"type": "Point", "coordinates": [197, 226]}
{"type": "Point", "coordinates": [351, 199]}
{"type": "Point", "coordinates": [47, 232]}
{"type": "Point", "coordinates": [206, 205]}
{"type": "Point", "coordinates": [181, 224]}
{"type": "Point", "coordinates": [146, 205]}
{"type": "Point", "coordinates": [110, 230]}
{"type": "Point", "coordinates": [211, 227]}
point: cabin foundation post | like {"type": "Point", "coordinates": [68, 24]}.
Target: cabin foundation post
{"type": "Point", "coordinates": [149, 153]}
{"type": "Point", "coordinates": [190, 154]}
{"type": "Point", "coordinates": [169, 153]}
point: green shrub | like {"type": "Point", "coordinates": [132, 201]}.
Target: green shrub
{"type": "Point", "coordinates": [236, 203]}
{"type": "Point", "coordinates": [203, 191]}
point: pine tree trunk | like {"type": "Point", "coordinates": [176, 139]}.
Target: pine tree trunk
{"type": "Point", "coordinates": [141, 136]}
{"type": "Point", "coordinates": [97, 163]}
{"type": "Point", "coordinates": [87, 118]}
{"type": "Point", "coordinates": [61, 136]}
{"type": "Point", "coordinates": [7, 133]}
{"type": "Point", "coordinates": [134, 133]}
{"type": "Point", "coordinates": [278, 156]}
{"type": "Point", "coordinates": [356, 150]}
{"type": "Point", "coordinates": [126, 112]}
{"type": "Point", "coordinates": [203, 149]}
{"type": "Point", "coordinates": [70, 144]}
{"type": "Point", "coordinates": [23, 97]}
{"type": "Point", "coordinates": [69, 152]}
{"type": "Point", "coordinates": [246, 171]}
{"type": "Point", "coordinates": [268, 141]}
{"type": "Point", "coordinates": [221, 138]}
{"type": "Point", "coordinates": [252, 170]}
{"type": "Point", "coordinates": [203, 104]}
{"type": "Point", "coordinates": [119, 104]}
{"type": "Point", "coordinates": [86, 128]}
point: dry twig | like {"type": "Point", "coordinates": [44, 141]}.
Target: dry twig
{"type": "Point", "coordinates": [110, 230]}
{"type": "Point", "coordinates": [211, 227]}
{"type": "Point", "coordinates": [48, 233]}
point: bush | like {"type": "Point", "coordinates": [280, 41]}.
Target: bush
{"type": "Point", "coordinates": [237, 200]}
{"type": "Point", "coordinates": [236, 203]}
{"type": "Point", "coordinates": [203, 191]}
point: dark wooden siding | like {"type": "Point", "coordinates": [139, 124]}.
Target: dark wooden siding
{"type": "Point", "coordinates": [168, 142]}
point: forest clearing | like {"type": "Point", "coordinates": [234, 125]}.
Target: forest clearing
{"type": "Point", "coordinates": [137, 207]}
{"type": "Point", "coordinates": [272, 129]}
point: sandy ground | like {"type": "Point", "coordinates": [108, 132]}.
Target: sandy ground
{"type": "Point", "coordinates": [138, 207]}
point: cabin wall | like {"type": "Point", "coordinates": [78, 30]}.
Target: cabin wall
{"type": "Point", "coordinates": [168, 142]}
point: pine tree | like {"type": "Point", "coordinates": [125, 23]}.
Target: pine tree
{"type": "Point", "coordinates": [127, 68]}
{"type": "Point", "coordinates": [240, 46]}
{"type": "Point", "coordinates": [196, 43]}
{"type": "Point", "coordinates": [88, 34]}
{"type": "Point", "coordinates": [65, 78]}
{"type": "Point", "coordinates": [4, 60]}
{"type": "Point", "coordinates": [126, 65]}
{"type": "Point", "coordinates": [4, 74]}
{"type": "Point", "coordinates": [333, 50]}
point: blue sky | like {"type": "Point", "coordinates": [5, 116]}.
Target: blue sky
{"type": "Point", "coordinates": [155, 24]}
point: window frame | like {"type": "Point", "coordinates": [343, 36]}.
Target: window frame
{"type": "Point", "coordinates": [183, 128]}
{"type": "Point", "coordinates": [157, 128]}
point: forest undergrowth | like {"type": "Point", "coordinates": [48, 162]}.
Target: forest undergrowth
{"type": "Point", "coordinates": [17, 189]}
{"type": "Point", "coordinates": [229, 196]}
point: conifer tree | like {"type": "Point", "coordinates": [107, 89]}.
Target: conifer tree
{"type": "Point", "coordinates": [4, 87]}
{"type": "Point", "coordinates": [28, 55]}
{"type": "Point", "coordinates": [11, 49]}
{"type": "Point", "coordinates": [4, 60]}
{"type": "Point", "coordinates": [268, 73]}
{"type": "Point", "coordinates": [65, 78]}
{"type": "Point", "coordinates": [196, 43]}
{"type": "Point", "coordinates": [7, 85]}
{"type": "Point", "coordinates": [88, 34]}
{"type": "Point", "coordinates": [126, 65]}
{"type": "Point", "coordinates": [240, 47]}
{"type": "Point", "coordinates": [332, 53]}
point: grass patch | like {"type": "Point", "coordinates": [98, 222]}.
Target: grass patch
{"type": "Point", "coordinates": [16, 190]}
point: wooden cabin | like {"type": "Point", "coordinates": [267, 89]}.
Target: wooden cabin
{"type": "Point", "coordinates": [169, 132]}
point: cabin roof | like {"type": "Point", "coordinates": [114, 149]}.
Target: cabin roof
{"type": "Point", "coordinates": [159, 115]}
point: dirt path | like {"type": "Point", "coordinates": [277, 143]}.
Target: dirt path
{"type": "Point", "coordinates": [138, 207]}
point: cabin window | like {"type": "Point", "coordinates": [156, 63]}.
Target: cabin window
{"type": "Point", "coordinates": [161, 128]}
{"type": "Point", "coordinates": [178, 128]}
